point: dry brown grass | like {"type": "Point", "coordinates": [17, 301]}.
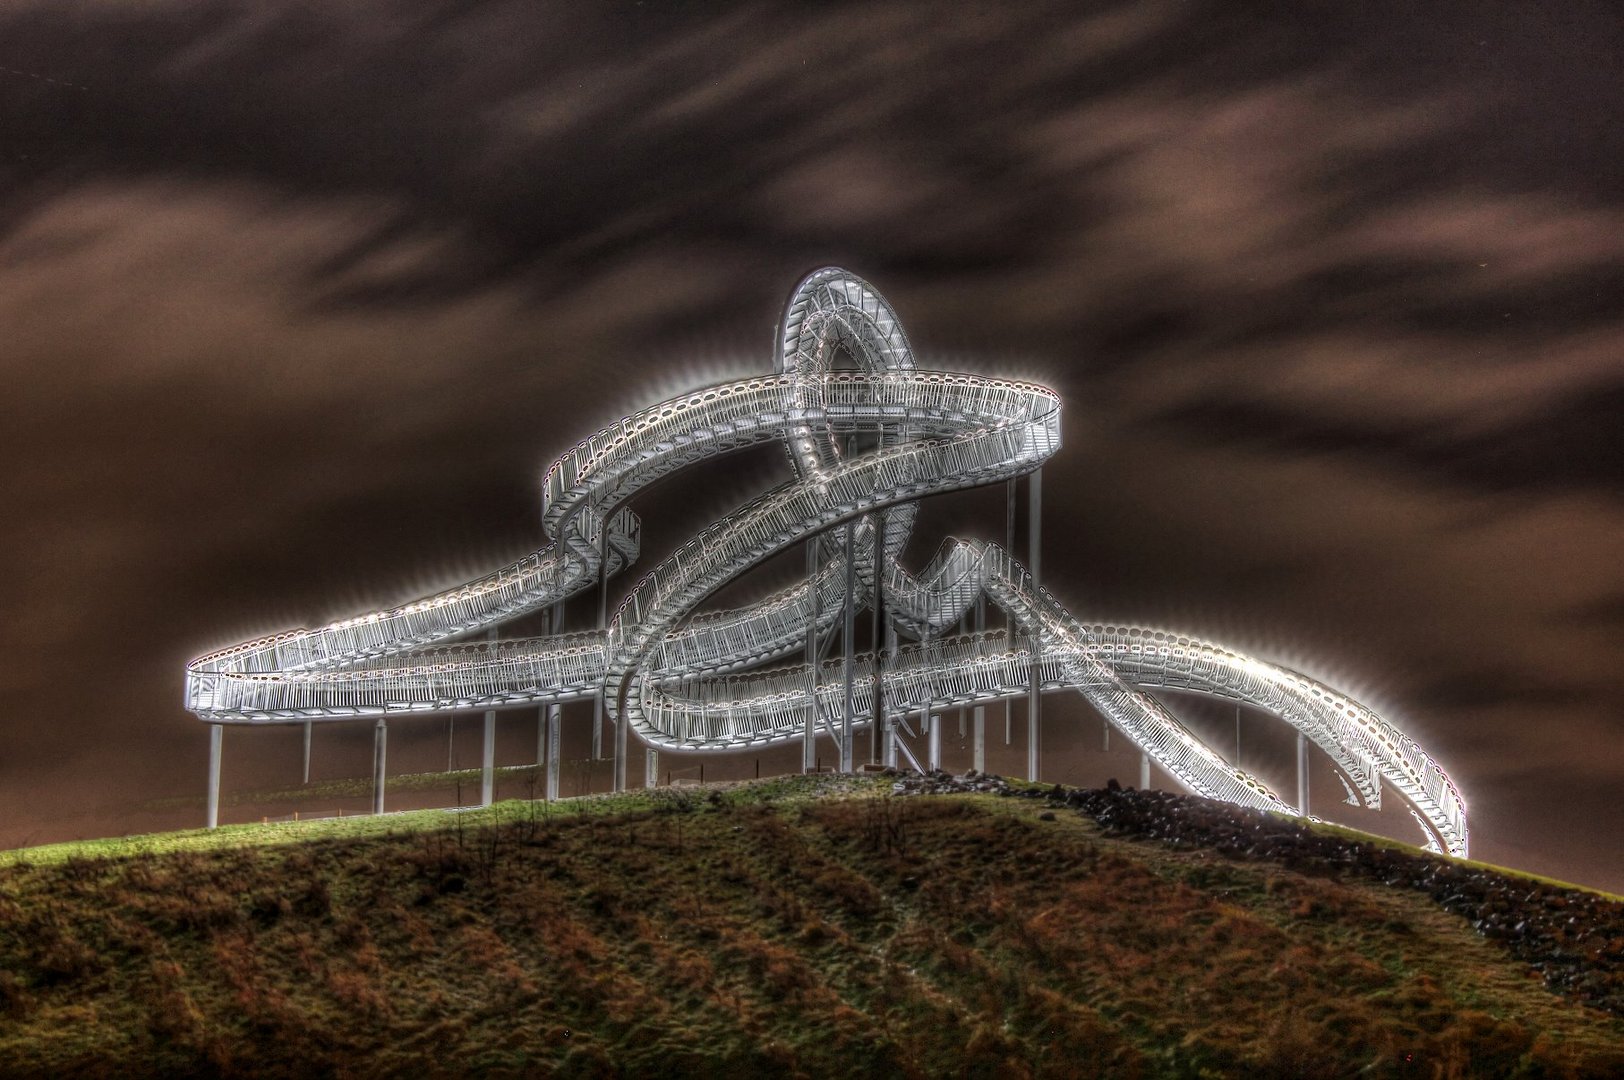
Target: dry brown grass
{"type": "Point", "coordinates": [922, 937]}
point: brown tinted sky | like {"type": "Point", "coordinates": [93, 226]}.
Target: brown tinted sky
{"type": "Point", "coordinates": [299, 299]}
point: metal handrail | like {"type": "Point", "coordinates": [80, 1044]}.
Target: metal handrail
{"type": "Point", "coordinates": [678, 678]}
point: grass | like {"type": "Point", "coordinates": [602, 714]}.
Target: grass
{"type": "Point", "coordinates": [354, 787]}
{"type": "Point", "coordinates": [801, 927]}
{"type": "Point", "coordinates": [785, 790]}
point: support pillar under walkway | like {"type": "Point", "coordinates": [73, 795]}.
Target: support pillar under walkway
{"type": "Point", "coordinates": [380, 762]}
{"type": "Point", "coordinates": [1302, 774]}
{"type": "Point", "coordinates": [809, 734]}
{"type": "Point", "coordinates": [1034, 699]}
{"type": "Point", "coordinates": [216, 736]}
{"type": "Point", "coordinates": [979, 731]}
{"type": "Point", "coordinates": [1009, 621]}
{"type": "Point", "coordinates": [849, 647]}
{"type": "Point", "coordinates": [487, 760]}
{"type": "Point", "coordinates": [598, 703]}
{"type": "Point", "coordinates": [555, 741]}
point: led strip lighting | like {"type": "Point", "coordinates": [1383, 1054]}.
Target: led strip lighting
{"type": "Point", "coordinates": [671, 675]}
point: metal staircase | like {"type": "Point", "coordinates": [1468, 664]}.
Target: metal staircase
{"type": "Point", "coordinates": [866, 443]}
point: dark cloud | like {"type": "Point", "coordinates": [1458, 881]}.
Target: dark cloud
{"type": "Point", "coordinates": [1606, 612]}
{"type": "Point", "coordinates": [1470, 688]}
{"type": "Point", "coordinates": [300, 299]}
{"type": "Point", "coordinates": [1572, 443]}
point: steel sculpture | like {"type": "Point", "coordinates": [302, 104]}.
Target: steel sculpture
{"type": "Point", "coordinates": [865, 445]}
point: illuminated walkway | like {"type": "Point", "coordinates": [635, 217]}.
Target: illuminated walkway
{"type": "Point", "coordinates": [865, 444]}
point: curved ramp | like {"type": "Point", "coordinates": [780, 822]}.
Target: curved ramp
{"type": "Point", "coordinates": [866, 441]}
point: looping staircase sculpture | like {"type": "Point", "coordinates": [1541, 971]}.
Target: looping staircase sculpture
{"type": "Point", "coordinates": [864, 444]}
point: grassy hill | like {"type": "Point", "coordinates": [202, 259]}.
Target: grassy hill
{"type": "Point", "coordinates": [799, 927]}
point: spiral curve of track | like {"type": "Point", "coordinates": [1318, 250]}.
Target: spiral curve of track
{"type": "Point", "coordinates": [686, 681]}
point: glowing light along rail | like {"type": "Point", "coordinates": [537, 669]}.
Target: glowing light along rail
{"type": "Point", "coordinates": [671, 676]}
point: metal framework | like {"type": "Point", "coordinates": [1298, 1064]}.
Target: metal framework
{"type": "Point", "coordinates": [866, 442]}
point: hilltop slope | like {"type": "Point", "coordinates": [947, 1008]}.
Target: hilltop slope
{"type": "Point", "coordinates": [736, 931]}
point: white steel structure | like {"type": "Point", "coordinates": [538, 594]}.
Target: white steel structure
{"type": "Point", "coordinates": [865, 444]}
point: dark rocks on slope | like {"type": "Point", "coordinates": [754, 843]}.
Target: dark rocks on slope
{"type": "Point", "coordinates": [1574, 938]}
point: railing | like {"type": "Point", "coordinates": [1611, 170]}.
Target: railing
{"type": "Point", "coordinates": [673, 674]}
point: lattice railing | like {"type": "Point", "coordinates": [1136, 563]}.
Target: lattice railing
{"type": "Point", "coordinates": [677, 675]}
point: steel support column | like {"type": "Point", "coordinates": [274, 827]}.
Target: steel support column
{"type": "Point", "coordinates": [487, 762]}
{"type": "Point", "coordinates": [307, 726]}
{"type": "Point", "coordinates": [380, 756]}
{"type": "Point", "coordinates": [1009, 620]}
{"type": "Point", "coordinates": [850, 645]}
{"type": "Point", "coordinates": [809, 736]}
{"type": "Point", "coordinates": [929, 725]}
{"type": "Point", "coordinates": [216, 738]}
{"type": "Point", "coordinates": [621, 751]}
{"type": "Point", "coordinates": [555, 742]}
{"type": "Point", "coordinates": [541, 712]}
{"type": "Point", "coordinates": [555, 739]}
{"type": "Point", "coordinates": [964, 712]}
{"type": "Point", "coordinates": [1302, 774]}
{"type": "Point", "coordinates": [1034, 701]}
{"type": "Point", "coordinates": [651, 768]}
{"type": "Point", "coordinates": [487, 756]}
{"type": "Point", "coordinates": [876, 621]}
{"type": "Point", "coordinates": [618, 770]}
{"type": "Point", "coordinates": [603, 623]}
{"type": "Point", "coordinates": [978, 754]}
{"type": "Point", "coordinates": [890, 718]}
{"type": "Point", "coordinates": [1144, 772]}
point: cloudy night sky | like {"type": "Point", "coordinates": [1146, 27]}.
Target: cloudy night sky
{"type": "Point", "coordinates": [298, 300]}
